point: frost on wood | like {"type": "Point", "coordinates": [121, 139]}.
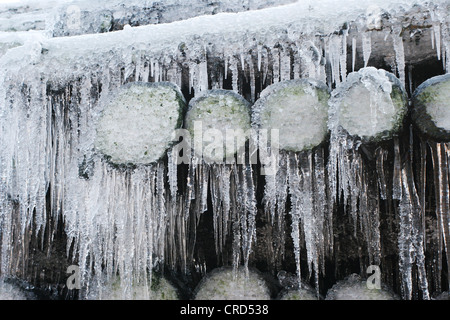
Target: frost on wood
{"type": "Point", "coordinates": [158, 288]}
{"type": "Point", "coordinates": [138, 122]}
{"type": "Point", "coordinates": [430, 108]}
{"type": "Point", "coordinates": [298, 109]}
{"type": "Point", "coordinates": [370, 104]}
{"type": "Point", "coordinates": [218, 116]}
{"type": "Point", "coordinates": [230, 284]}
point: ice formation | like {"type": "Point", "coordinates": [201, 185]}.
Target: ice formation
{"type": "Point", "coordinates": [227, 284]}
{"type": "Point", "coordinates": [130, 220]}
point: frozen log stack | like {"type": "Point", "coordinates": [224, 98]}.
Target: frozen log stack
{"type": "Point", "coordinates": [371, 104]}
{"type": "Point", "coordinates": [298, 109]}
{"type": "Point", "coordinates": [431, 108]}
{"type": "Point", "coordinates": [138, 122]}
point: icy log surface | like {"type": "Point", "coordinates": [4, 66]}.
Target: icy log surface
{"type": "Point", "coordinates": [430, 107]}
{"type": "Point", "coordinates": [219, 114]}
{"type": "Point", "coordinates": [138, 121]}
{"type": "Point", "coordinates": [298, 109]}
{"type": "Point", "coordinates": [370, 104]}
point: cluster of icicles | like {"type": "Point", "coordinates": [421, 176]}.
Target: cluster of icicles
{"type": "Point", "coordinates": [126, 221]}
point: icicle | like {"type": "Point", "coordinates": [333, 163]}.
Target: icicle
{"type": "Point", "coordinates": [252, 83]}
{"type": "Point", "coordinates": [276, 65]}
{"type": "Point", "coordinates": [259, 57]}
{"type": "Point", "coordinates": [353, 53]}
{"type": "Point", "coordinates": [343, 55]}
{"type": "Point", "coordinates": [404, 242]}
{"type": "Point", "coordinates": [399, 55]}
{"type": "Point", "coordinates": [334, 49]}
{"type": "Point", "coordinates": [311, 228]}
{"type": "Point", "coordinates": [249, 233]}
{"type": "Point", "coordinates": [397, 182]}
{"type": "Point", "coordinates": [242, 62]}
{"type": "Point", "coordinates": [172, 173]}
{"type": "Point", "coordinates": [437, 38]}
{"type": "Point", "coordinates": [203, 84]}
{"type": "Point", "coordinates": [366, 46]}
{"type": "Point", "coordinates": [157, 73]}
{"type": "Point", "coordinates": [203, 180]}
{"type": "Point", "coordinates": [285, 65]}
{"type": "Point", "coordinates": [146, 72]}
{"type": "Point", "coordinates": [411, 236]}
{"type": "Point", "coordinates": [432, 38]}
{"type": "Point", "coordinates": [226, 67]}
{"type": "Point", "coordinates": [294, 186]}
{"type": "Point", "coordinates": [381, 156]}
{"type": "Point", "coordinates": [234, 76]}
{"type": "Point", "coordinates": [324, 216]}
{"type": "Point", "coordinates": [441, 176]}
{"type": "Point", "coordinates": [191, 78]}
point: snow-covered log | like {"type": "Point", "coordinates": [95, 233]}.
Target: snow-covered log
{"type": "Point", "coordinates": [298, 109]}
{"type": "Point", "coordinates": [138, 122]}
{"type": "Point", "coordinates": [218, 116]}
{"type": "Point", "coordinates": [370, 104]}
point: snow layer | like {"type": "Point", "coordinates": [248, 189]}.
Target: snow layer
{"type": "Point", "coordinates": [9, 40]}
{"type": "Point", "coordinates": [74, 17]}
{"type": "Point", "coordinates": [250, 28]}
